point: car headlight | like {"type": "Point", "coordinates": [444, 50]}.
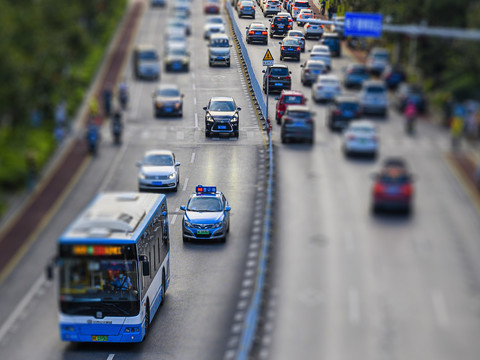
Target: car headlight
{"type": "Point", "coordinates": [141, 175]}
{"type": "Point", "coordinates": [188, 223]}
{"type": "Point", "coordinates": [159, 104]}
{"type": "Point", "coordinates": [217, 225]}
{"type": "Point", "coordinates": [177, 105]}
{"type": "Point", "coordinates": [171, 176]}
{"type": "Point", "coordinates": [185, 60]}
{"type": "Point", "coordinates": [234, 118]}
{"type": "Point", "coordinates": [210, 118]}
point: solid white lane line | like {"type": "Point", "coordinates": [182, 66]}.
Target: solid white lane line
{"type": "Point", "coordinates": [192, 159]}
{"type": "Point", "coordinates": [440, 308]}
{"type": "Point", "coordinates": [196, 120]}
{"type": "Point", "coordinates": [12, 319]}
{"type": "Point", "coordinates": [110, 357]}
{"type": "Point", "coordinates": [195, 100]}
{"type": "Point", "coordinates": [353, 306]}
{"type": "Point", "coordinates": [185, 184]}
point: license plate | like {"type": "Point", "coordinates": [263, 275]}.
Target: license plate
{"type": "Point", "coordinates": [290, 49]}
{"type": "Point", "coordinates": [203, 232]}
{"type": "Point", "coordinates": [99, 338]}
{"type": "Point", "coordinates": [258, 33]}
{"type": "Point", "coordinates": [219, 58]}
{"type": "Point", "coordinates": [280, 26]}
{"type": "Point", "coordinates": [168, 109]}
{"type": "Point", "coordinates": [347, 113]}
{"type": "Point", "coordinates": [177, 66]}
{"type": "Point", "coordinates": [278, 84]}
{"type": "Point", "coordinates": [222, 127]}
{"type": "Point", "coordinates": [156, 183]}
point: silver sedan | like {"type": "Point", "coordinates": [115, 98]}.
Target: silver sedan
{"type": "Point", "coordinates": [158, 170]}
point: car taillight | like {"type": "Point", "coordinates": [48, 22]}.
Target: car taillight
{"type": "Point", "coordinates": [289, 26]}
{"type": "Point", "coordinates": [307, 26]}
{"type": "Point", "coordinates": [307, 71]}
{"type": "Point", "coordinates": [295, 8]}
{"type": "Point", "coordinates": [378, 188]}
{"type": "Point", "coordinates": [287, 120]}
{"type": "Point", "coordinates": [298, 48]}
{"type": "Point", "coordinates": [270, 76]}
{"type": "Point", "coordinates": [282, 48]}
{"type": "Point", "coordinates": [241, 7]}
{"type": "Point", "coordinates": [309, 121]}
{"type": "Point", "coordinates": [321, 26]}
{"type": "Point", "coordinates": [407, 190]}
{"type": "Point", "coordinates": [273, 26]}
{"type": "Point", "coordinates": [251, 32]}
{"type": "Point", "coordinates": [290, 20]}
{"type": "Point", "coordinates": [288, 77]}
{"type": "Point", "coordinates": [264, 33]}
{"type": "Point", "coordinates": [337, 112]}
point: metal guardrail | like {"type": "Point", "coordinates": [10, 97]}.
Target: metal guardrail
{"type": "Point", "coordinates": [253, 311]}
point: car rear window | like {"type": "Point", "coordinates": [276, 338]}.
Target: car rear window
{"type": "Point", "coordinates": [301, 4]}
{"type": "Point", "coordinates": [279, 71]}
{"type": "Point", "coordinates": [292, 99]}
{"type": "Point", "coordinates": [358, 70]}
{"type": "Point", "coordinates": [290, 42]}
{"type": "Point", "coordinates": [348, 106]}
{"type": "Point", "coordinates": [299, 114]}
{"type": "Point", "coordinates": [281, 20]}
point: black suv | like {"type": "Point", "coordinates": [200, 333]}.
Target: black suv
{"type": "Point", "coordinates": [278, 77]}
{"type": "Point", "coordinates": [280, 25]}
{"type": "Point", "coordinates": [221, 116]}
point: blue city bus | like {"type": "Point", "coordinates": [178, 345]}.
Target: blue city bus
{"type": "Point", "coordinates": [114, 268]}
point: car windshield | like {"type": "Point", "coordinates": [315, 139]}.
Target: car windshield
{"type": "Point", "coordinates": [279, 71]}
{"type": "Point", "coordinates": [148, 55]}
{"type": "Point", "coordinates": [315, 66]}
{"type": "Point", "coordinates": [168, 92]}
{"type": "Point", "coordinates": [158, 160]}
{"type": "Point", "coordinates": [328, 82]}
{"type": "Point", "coordinates": [358, 70]}
{"type": "Point", "coordinates": [292, 99]}
{"type": "Point", "coordinates": [375, 90]}
{"type": "Point", "coordinates": [204, 204]}
{"type": "Point", "coordinates": [177, 51]}
{"type": "Point", "coordinates": [366, 130]}
{"type": "Point", "coordinates": [222, 105]}
{"type": "Point", "coordinates": [219, 43]}
{"type": "Point", "coordinates": [381, 56]}
{"type": "Point", "coordinates": [214, 20]}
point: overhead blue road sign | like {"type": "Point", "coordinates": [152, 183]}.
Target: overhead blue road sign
{"type": "Point", "coordinates": [363, 25]}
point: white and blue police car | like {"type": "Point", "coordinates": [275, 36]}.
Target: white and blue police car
{"type": "Point", "coordinates": [207, 215]}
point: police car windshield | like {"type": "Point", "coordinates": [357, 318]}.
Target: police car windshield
{"type": "Point", "coordinates": [158, 160]}
{"type": "Point", "coordinates": [204, 204]}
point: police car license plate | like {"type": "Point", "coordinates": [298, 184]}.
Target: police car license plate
{"type": "Point", "coordinates": [203, 232]}
{"type": "Point", "coordinates": [222, 127]}
{"type": "Point", "coordinates": [99, 338]}
{"type": "Point", "coordinates": [156, 183]}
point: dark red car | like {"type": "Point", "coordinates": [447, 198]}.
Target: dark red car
{"type": "Point", "coordinates": [393, 187]}
{"type": "Point", "coordinates": [211, 7]}
{"type": "Point", "coordinates": [288, 97]}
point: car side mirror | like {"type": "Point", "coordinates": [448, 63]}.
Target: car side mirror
{"type": "Point", "coordinates": [239, 108]}
{"type": "Point", "coordinates": [289, 72]}
{"type": "Point", "coordinates": [182, 95]}
{"type": "Point", "coordinates": [138, 163]}
{"type": "Point", "coordinates": [205, 108]}
{"type": "Point", "coordinates": [182, 207]}
{"type": "Point", "coordinates": [246, 27]}
{"type": "Point", "coordinates": [280, 42]}
{"type": "Point", "coordinates": [263, 71]}
{"type": "Point", "coordinates": [177, 164]}
{"type": "Point", "coordinates": [228, 208]}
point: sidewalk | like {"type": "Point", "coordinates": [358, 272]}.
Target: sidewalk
{"type": "Point", "coordinates": [32, 212]}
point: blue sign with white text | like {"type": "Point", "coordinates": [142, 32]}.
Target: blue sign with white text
{"type": "Point", "coordinates": [363, 25]}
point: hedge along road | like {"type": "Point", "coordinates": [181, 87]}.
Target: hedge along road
{"type": "Point", "coordinates": [21, 231]}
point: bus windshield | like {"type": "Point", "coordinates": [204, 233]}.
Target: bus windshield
{"type": "Point", "coordinates": [93, 286]}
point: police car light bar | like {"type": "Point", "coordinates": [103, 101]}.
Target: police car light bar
{"type": "Point", "coordinates": [206, 189]}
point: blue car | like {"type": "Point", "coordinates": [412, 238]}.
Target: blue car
{"type": "Point", "coordinates": [207, 215]}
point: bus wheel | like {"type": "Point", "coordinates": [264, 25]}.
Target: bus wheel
{"type": "Point", "coordinates": [147, 318]}
{"type": "Point", "coordinates": [163, 288]}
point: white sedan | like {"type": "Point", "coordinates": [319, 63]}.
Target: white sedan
{"type": "Point", "coordinates": [213, 25]}
{"type": "Point", "coordinates": [321, 52]}
{"type": "Point", "coordinates": [325, 88]}
{"type": "Point", "coordinates": [158, 170]}
{"type": "Point", "coordinates": [360, 137]}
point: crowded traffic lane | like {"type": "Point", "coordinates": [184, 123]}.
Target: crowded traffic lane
{"type": "Point", "coordinates": [389, 286]}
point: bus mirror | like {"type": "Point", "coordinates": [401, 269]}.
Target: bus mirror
{"type": "Point", "coordinates": [146, 268]}
{"type": "Point", "coordinates": [49, 272]}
